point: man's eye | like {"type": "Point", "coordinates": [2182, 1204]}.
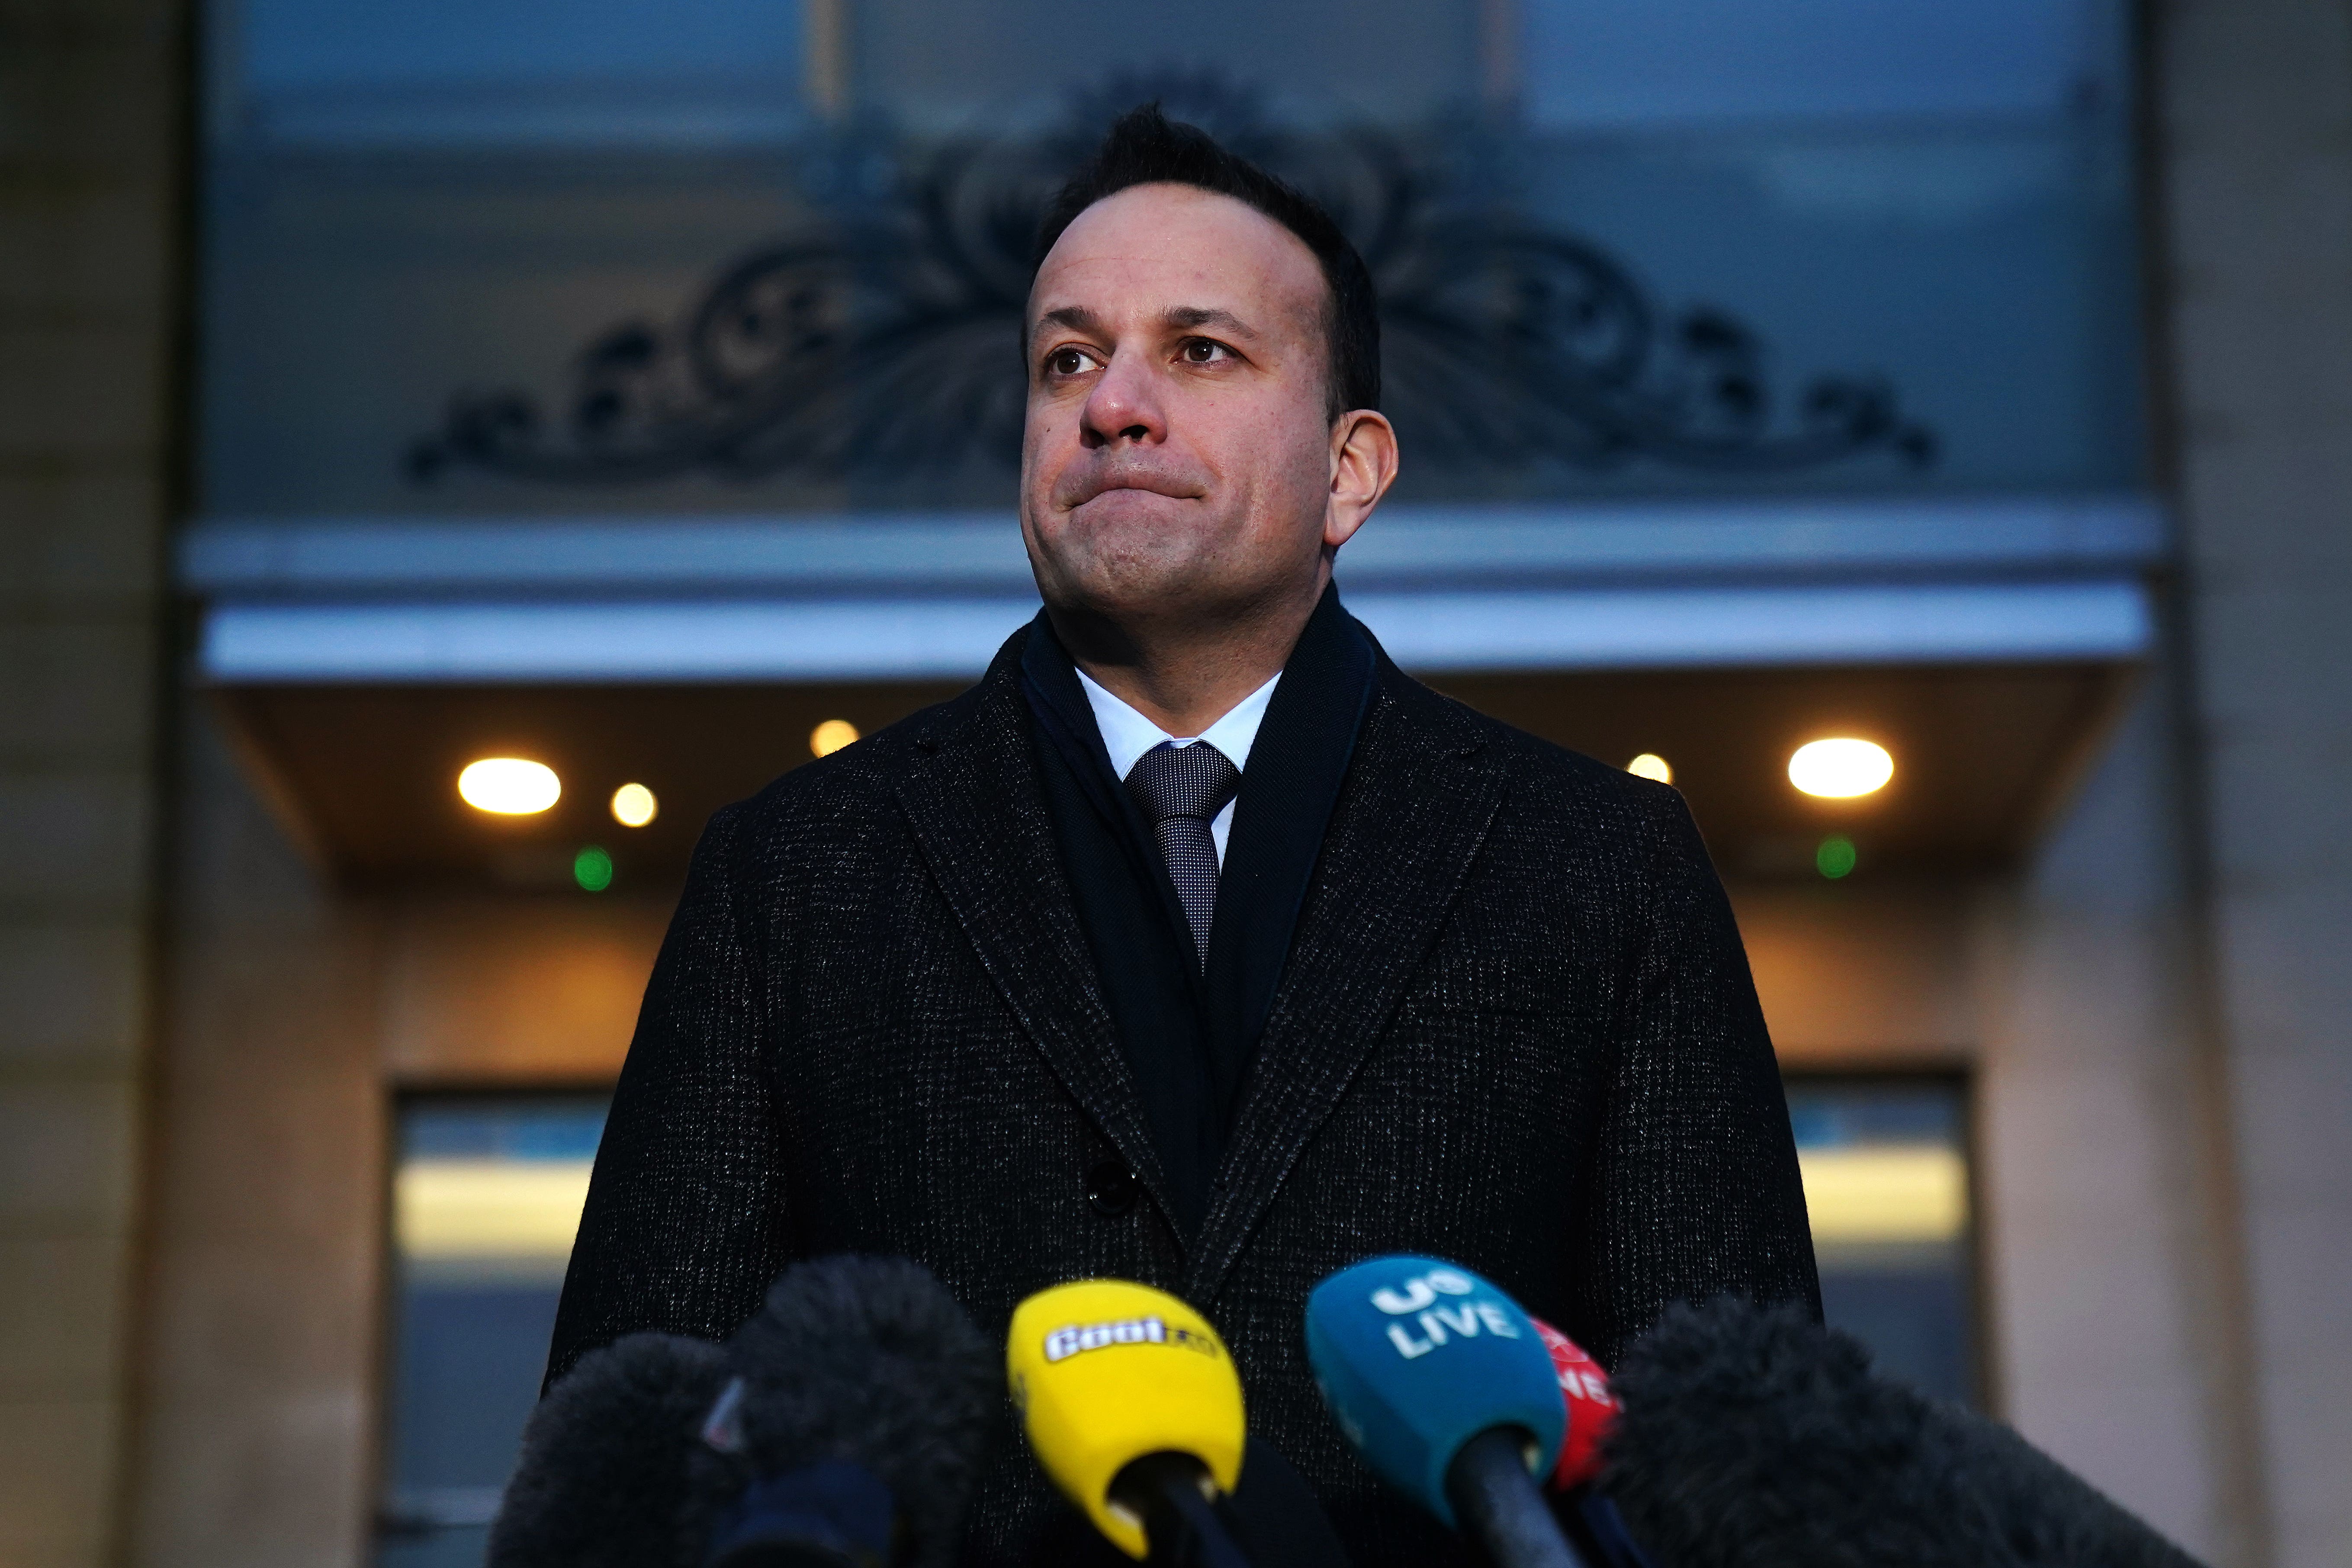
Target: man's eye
{"type": "Point", "coordinates": [1206, 350]}
{"type": "Point", "coordinates": [1069, 362]}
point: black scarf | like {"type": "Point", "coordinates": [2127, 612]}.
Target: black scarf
{"type": "Point", "coordinates": [1191, 1040]}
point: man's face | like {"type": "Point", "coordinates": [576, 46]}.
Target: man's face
{"type": "Point", "coordinates": [1178, 459]}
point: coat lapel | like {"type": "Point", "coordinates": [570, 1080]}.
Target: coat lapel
{"type": "Point", "coordinates": [975, 805]}
{"type": "Point", "coordinates": [1419, 796]}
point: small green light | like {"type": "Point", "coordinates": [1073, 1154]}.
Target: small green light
{"type": "Point", "coordinates": [1835, 857]}
{"type": "Point", "coordinates": [592, 869]}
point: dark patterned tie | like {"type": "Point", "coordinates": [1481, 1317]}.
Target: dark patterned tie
{"type": "Point", "coordinates": [1181, 790]}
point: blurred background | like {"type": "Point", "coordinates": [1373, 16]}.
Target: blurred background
{"type": "Point", "coordinates": [624, 394]}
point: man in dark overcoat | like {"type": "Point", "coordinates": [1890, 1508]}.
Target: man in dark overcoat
{"type": "Point", "coordinates": [1197, 944]}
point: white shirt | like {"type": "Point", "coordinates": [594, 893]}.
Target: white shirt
{"type": "Point", "coordinates": [1127, 734]}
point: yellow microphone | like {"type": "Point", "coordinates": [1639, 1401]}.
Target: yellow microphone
{"type": "Point", "coordinates": [1134, 1409]}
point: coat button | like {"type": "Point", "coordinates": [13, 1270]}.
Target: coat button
{"type": "Point", "coordinates": [1111, 1188]}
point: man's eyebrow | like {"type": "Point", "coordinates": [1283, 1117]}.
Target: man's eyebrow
{"type": "Point", "coordinates": [1176, 318]}
{"type": "Point", "coordinates": [1077, 318]}
{"type": "Point", "coordinates": [1188, 316]}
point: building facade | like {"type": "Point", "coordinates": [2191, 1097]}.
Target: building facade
{"type": "Point", "coordinates": [624, 390]}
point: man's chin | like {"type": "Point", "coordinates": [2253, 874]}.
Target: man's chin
{"type": "Point", "coordinates": [1135, 587]}
{"type": "Point", "coordinates": [1133, 556]}
{"type": "Point", "coordinates": [1128, 545]}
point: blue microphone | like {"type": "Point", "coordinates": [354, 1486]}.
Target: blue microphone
{"type": "Point", "coordinates": [1443, 1386]}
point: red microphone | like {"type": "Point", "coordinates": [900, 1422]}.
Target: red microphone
{"type": "Point", "coordinates": [1591, 1409]}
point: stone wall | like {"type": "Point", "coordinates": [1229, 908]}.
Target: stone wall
{"type": "Point", "coordinates": [2253, 154]}
{"type": "Point", "coordinates": [90, 100]}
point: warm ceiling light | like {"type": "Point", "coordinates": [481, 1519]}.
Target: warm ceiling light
{"type": "Point", "coordinates": [511, 786]}
{"type": "Point", "coordinates": [1885, 1194]}
{"type": "Point", "coordinates": [494, 1210]}
{"type": "Point", "coordinates": [831, 736]}
{"type": "Point", "coordinates": [1650, 765]}
{"type": "Point", "coordinates": [1840, 768]}
{"type": "Point", "coordinates": [633, 805]}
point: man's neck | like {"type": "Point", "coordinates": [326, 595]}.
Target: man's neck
{"type": "Point", "coordinates": [1182, 678]}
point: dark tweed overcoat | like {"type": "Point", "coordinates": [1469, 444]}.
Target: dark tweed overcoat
{"type": "Point", "coordinates": [1516, 1029]}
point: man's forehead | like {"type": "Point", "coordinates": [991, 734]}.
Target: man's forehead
{"type": "Point", "coordinates": [1173, 252]}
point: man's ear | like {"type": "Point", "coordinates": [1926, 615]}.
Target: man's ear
{"type": "Point", "coordinates": [1364, 466]}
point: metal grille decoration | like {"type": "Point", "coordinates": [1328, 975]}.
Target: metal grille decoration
{"type": "Point", "coordinates": [886, 341]}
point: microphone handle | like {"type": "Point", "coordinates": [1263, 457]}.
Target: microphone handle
{"type": "Point", "coordinates": [1497, 1501]}
{"type": "Point", "coordinates": [1172, 1492]}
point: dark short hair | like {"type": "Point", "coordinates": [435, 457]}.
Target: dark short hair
{"type": "Point", "coordinates": [1147, 148]}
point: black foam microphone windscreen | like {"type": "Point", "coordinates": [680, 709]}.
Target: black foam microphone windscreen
{"type": "Point", "coordinates": [854, 1365]}
{"type": "Point", "coordinates": [603, 1474]}
{"type": "Point", "coordinates": [1755, 1438]}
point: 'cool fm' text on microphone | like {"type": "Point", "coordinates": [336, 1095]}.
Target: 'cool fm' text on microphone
{"type": "Point", "coordinates": [1134, 1408]}
{"type": "Point", "coordinates": [1447, 1390]}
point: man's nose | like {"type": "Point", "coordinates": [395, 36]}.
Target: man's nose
{"type": "Point", "coordinates": [1125, 404]}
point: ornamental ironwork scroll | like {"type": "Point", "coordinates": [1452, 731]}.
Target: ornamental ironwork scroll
{"type": "Point", "coordinates": [887, 342]}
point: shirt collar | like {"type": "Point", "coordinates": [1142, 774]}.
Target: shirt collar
{"type": "Point", "coordinates": [1127, 734]}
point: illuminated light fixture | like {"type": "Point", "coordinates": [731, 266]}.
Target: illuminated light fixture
{"type": "Point", "coordinates": [490, 1209]}
{"type": "Point", "coordinates": [1835, 857]}
{"type": "Point", "coordinates": [831, 736]}
{"type": "Point", "coordinates": [1650, 765]}
{"type": "Point", "coordinates": [508, 786]}
{"type": "Point", "coordinates": [592, 868]}
{"type": "Point", "coordinates": [1885, 1194]}
{"type": "Point", "coordinates": [1841, 768]}
{"type": "Point", "coordinates": [633, 805]}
